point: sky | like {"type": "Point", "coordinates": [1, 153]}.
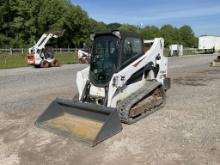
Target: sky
{"type": "Point", "coordinates": [202, 15]}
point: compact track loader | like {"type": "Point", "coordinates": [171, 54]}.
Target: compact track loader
{"type": "Point", "coordinates": [124, 82]}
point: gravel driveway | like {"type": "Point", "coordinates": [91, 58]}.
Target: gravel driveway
{"type": "Point", "coordinates": [185, 131]}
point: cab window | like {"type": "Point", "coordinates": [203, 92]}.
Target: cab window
{"type": "Point", "coordinates": [132, 48]}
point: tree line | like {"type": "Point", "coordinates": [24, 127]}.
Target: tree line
{"type": "Point", "coordinates": [22, 22]}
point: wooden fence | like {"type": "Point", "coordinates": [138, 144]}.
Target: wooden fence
{"type": "Point", "coordinates": [12, 51]}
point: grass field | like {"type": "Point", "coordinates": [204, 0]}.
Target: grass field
{"type": "Point", "coordinates": [18, 60]}
{"type": "Point", "coordinates": [67, 58]}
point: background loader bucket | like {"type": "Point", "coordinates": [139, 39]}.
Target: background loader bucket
{"type": "Point", "coordinates": [89, 123]}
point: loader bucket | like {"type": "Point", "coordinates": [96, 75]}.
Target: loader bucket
{"type": "Point", "coordinates": [85, 122]}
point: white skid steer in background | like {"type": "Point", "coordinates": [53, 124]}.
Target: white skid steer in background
{"type": "Point", "coordinates": [123, 83]}
{"type": "Point", "coordinates": [84, 57]}
{"type": "Point", "coordinates": [38, 56]}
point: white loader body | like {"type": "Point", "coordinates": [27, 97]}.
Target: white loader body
{"type": "Point", "coordinates": [154, 55]}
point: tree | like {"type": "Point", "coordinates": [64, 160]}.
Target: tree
{"type": "Point", "coordinates": [129, 28]}
{"type": "Point", "coordinates": [187, 37]}
{"type": "Point", "coordinates": [6, 16]}
{"type": "Point", "coordinates": [150, 32]}
{"type": "Point", "coordinates": [24, 23]}
{"type": "Point", "coordinates": [95, 26]}
{"type": "Point", "coordinates": [51, 15]}
{"type": "Point", "coordinates": [76, 23]}
{"type": "Point", "coordinates": [113, 26]}
{"type": "Point", "coordinates": [170, 34]}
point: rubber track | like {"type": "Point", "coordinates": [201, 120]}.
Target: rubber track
{"type": "Point", "coordinates": [125, 105]}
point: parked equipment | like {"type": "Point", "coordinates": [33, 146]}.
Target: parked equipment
{"type": "Point", "coordinates": [217, 48]}
{"type": "Point", "coordinates": [39, 56]}
{"type": "Point", "coordinates": [122, 84]}
{"type": "Point", "coordinates": [176, 50]}
{"type": "Point", "coordinates": [216, 62]}
{"type": "Point", "coordinates": [84, 57]}
{"type": "Point", "coordinates": [209, 44]}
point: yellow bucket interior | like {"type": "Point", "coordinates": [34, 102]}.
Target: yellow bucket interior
{"type": "Point", "coordinates": [77, 126]}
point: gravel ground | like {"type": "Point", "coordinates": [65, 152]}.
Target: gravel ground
{"type": "Point", "coordinates": [185, 131]}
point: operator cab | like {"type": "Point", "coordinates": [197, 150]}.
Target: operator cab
{"type": "Point", "coordinates": [111, 52]}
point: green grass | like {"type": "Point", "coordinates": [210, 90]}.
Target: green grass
{"type": "Point", "coordinates": [18, 60]}
{"type": "Point", "coordinates": [12, 61]}
{"type": "Point", "coordinates": [67, 58]}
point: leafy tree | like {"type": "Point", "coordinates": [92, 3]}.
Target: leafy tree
{"type": "Point", "coordinates": [129, 28]}
{"type": "Point", "coordinates": [76, 24]}
{"type": "Point", "coordinates": [187, 37]}
{"type": "Point", "coordinates": [96, 26]}
{"type": "Point", "coordinates": [150, 32]}
{"type": "Point", "coordinates": [6, 16]}
{"type": "Point", "coordinates": [113, 26]}
{"type": "Point", "coordinates": [170, 34]}
{"type": "Point", "coordinates": [50, 17]}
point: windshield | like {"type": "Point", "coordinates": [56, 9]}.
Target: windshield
{"type": "Point", "coordinates": [104, 59]}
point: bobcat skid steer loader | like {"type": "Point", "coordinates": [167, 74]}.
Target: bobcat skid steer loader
{"type": "Point", "coordinates": [84, 57]}
{"type": "Point", "coordinates": [39, 56]}
{"type": "Point", "coordinates": [122, 84]}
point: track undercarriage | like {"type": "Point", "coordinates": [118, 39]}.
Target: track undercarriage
{"type": "Point", "coordinates": [141, 103]}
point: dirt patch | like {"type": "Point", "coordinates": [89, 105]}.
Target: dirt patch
{"type": "Point", "coordinates": [191, 81]}
{"type": "Point", "coordinates": [200, 78]}
{"type": "Point", "coordinates": [211, 71]}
